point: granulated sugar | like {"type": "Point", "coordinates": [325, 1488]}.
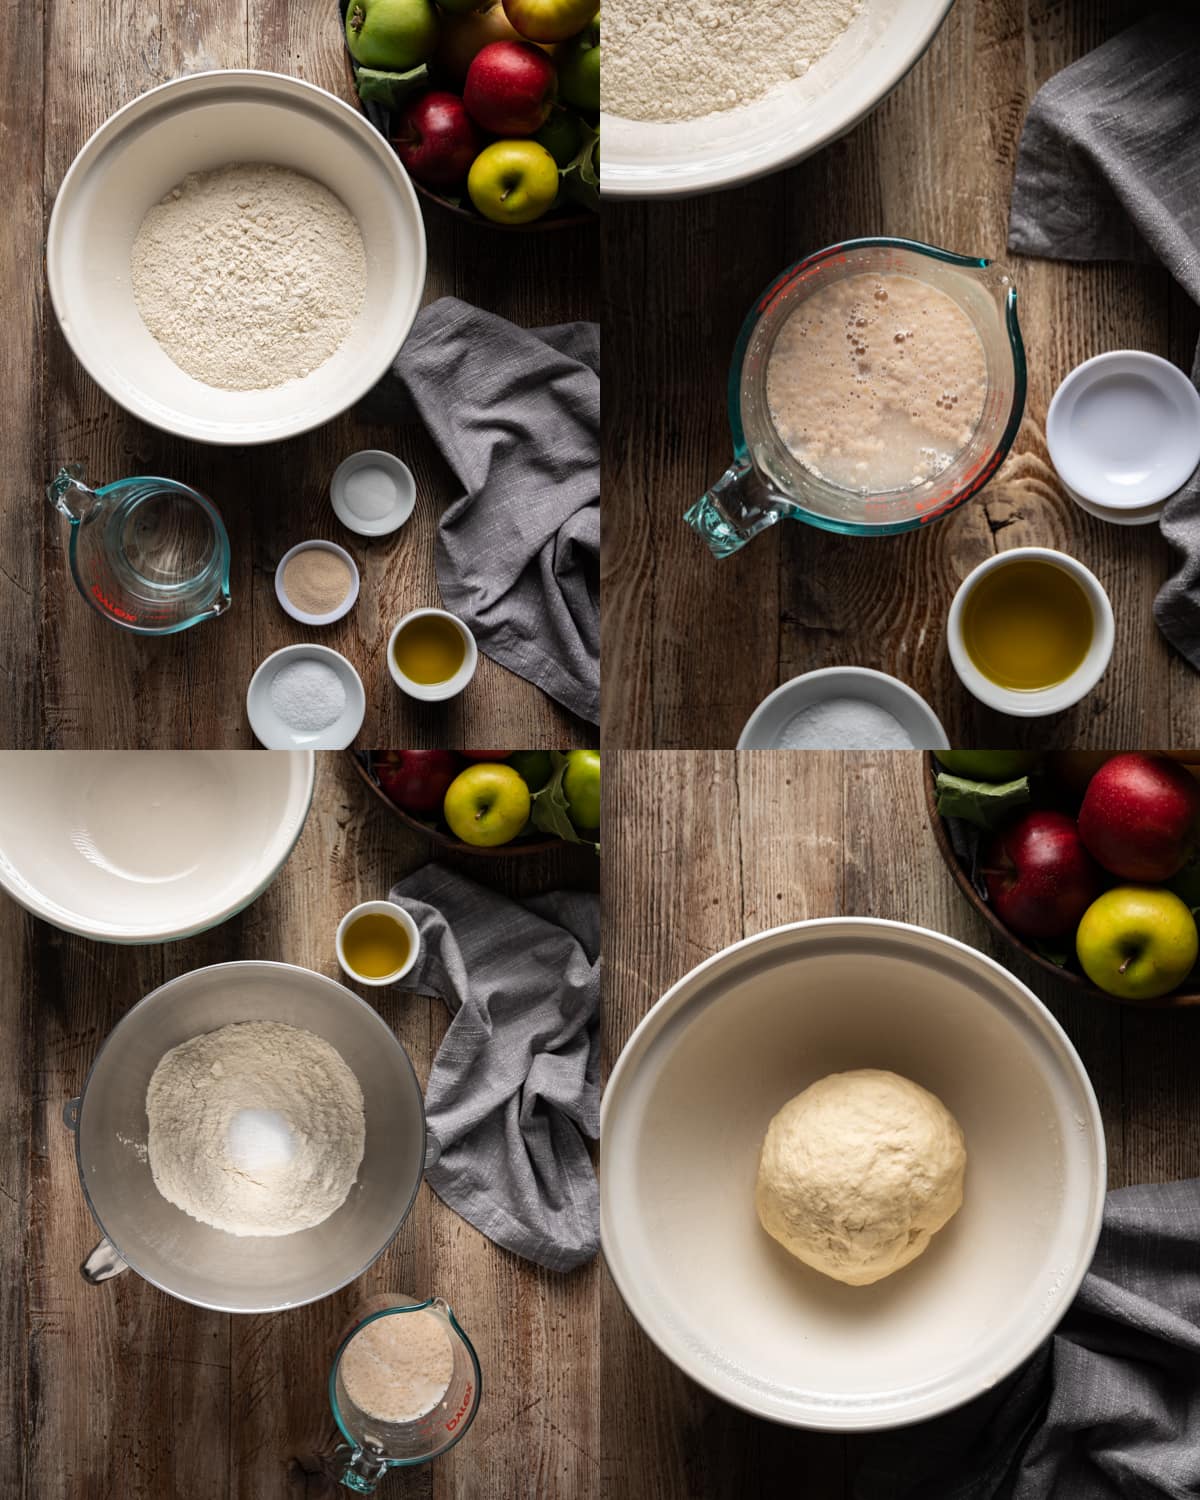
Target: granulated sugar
{"type": "Point", "coordinates": [248, 276]}
{"type": "Point", "coordinates": [843, 724]}
{"type": "Point", "coordinates": [680, 59]}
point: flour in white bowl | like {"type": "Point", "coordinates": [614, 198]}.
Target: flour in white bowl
{"type": "Point", "coordinates": [680, 59]}
{"type": "Point", "coordinates": [250, 275]}
{"type": "Point", "coordinates": [256, 1128]}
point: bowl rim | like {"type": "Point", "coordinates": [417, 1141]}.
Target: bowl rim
{"type": "Point", "coordinates": [156, 994]}
{"type": "Point", "coordinates": [299, 650]}
{"type": "Point", "coordinates": [1176, 999]}
{"type": "Point", "coordinates": [675, 999]}
{"type": "Point", "coordinates": [895, 685]}
{"type": "Point", "coordinates": [302, 804]}
{"type": "Point", "coordinates": [215, 80]}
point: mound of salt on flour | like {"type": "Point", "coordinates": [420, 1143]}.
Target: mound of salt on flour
{"type": "Point", "coordinates": [680, 59]}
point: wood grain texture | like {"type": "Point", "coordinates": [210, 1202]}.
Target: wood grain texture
{"type": "Point", "coordinates": [691, 645]}
{"type": "Point", "coordinates": [120, 1390]}
{"type": "Point", "coordinates": [704, 848]}
{"type": "Point", "coordinates": [71, 680]}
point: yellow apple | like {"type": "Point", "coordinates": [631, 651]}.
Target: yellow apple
{"type": "Point", "coordinates": [487, 804]}
{"type": "Point", "coordinates": [513, 182]}
{"type": "Point", "coordinates": [1137, 942]}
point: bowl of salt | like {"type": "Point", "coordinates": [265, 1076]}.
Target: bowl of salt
{"type": "Point", "coordinates": [843, 708]}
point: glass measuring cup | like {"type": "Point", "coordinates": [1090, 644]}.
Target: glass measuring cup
{"type": "Point", "coordinates": [766, 482]}
{"type": "Point", "coordinates": [149, 554]}
{"type": "Point", "coordinates": [374, 1446]}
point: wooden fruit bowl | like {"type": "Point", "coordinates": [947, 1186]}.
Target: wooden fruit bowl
{"type": "Point", "coordinates": [445, 840]}
{"type": "Point", "coordinates": [1077, 981]}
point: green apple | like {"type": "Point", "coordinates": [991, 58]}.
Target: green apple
{"type": "Point", "coordinates": [581, 787]}
{"type": "Point", "coordinates": [578, 63]}
{"type": "Point", "coordinates": [988, 765]}
{"type": "Point", "coordinates": [549, 20]}
{"type": "Point", "coordinates": [1137, 942]}
{"type": "Point", "coordinates": [487, 805]}
{"type": "Point", "coordinates": [513, 182]}
{"type": "Point", "coordinates": [562, 136]}
{"type": "Point", "coordinates": [391, 34]}
{"type": "Point", "coordinates": [534, 767]}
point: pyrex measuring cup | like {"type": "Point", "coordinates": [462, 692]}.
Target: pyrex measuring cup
{"type": "Point", "coordinates": [766, 482]}
{"type": "Point", "coordinates": [151, 555]}
{"type": "Point", "coordinates": [373, 1446]}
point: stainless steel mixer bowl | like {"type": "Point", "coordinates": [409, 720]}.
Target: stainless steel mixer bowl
{"type": "Point", "coordinates": [206, 1266]}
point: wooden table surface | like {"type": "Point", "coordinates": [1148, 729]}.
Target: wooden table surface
{"type": "Point", "coordinates": [712, 847]}
{"type": "Point", "coordinates": [691, 644]}
{"type": "Point", "coordinates": [121, 1391]}
{"type": "Point", "coordinates": [69, 678]}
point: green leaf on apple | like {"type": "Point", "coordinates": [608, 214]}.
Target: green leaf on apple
{"type": "Point", "coordinates": [581, 177]}
{"type": "Point", "coordinates": [390, 89]}
{"type": "Point", "coordinates": [551, 812]}
{"type": "Point", "coordinates": [1055, 952]}
{"type": "Point", "coordinates": [984, 803]}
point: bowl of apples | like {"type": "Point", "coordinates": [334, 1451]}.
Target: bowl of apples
{"type": "Point", "coordinates": [1087, 862]}
{"type": "Point", "coordinates": [492, 106]}
{"type": "Point", "coordinates": [497, 802]}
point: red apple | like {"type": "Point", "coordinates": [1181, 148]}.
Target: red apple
{"type": "Point", "coordinates": [436, 139]}
{"type": "Point", "coordinates": [1139, 816]}
{"type": "Point", "coordinates": [1040, 879]}
{"type": "Point", "coordinates": [510, 88]}
{"type": "Point", "coordinates": [416, 780]}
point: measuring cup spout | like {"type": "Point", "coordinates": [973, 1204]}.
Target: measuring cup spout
{"type": "Point", "coordinates": [738, 507]}
{"type": "Point", "coordinates": [68, 493]}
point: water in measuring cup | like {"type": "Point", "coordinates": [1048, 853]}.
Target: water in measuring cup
{"type": "Point", "coordinates": [161, 541]}
{"type": "Point", "coordinates": [877, 382]}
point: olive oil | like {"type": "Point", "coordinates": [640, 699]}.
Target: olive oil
{"type": "Point", "coordinates": [1027, 625]}
{"type": "Point", "coordinates": [430, 649]}
{"type": "Point", "coordinates": [376, 945]}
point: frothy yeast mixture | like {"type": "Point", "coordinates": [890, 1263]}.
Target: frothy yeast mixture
{"type": "Point", "coordinates": [877, 382]}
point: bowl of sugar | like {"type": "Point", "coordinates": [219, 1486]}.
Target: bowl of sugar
{"type": "Point", "coordinates": [843, 708]}
{"type": "Point", "coordinates": [236, 256]}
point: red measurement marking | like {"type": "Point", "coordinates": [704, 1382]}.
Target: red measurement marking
{"type": "Point", "coordinates": [462, 1410]}
{"type": "Point", "coordinates": [113, 609]}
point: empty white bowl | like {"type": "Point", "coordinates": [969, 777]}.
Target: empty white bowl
{"type": "Point", "coordinates": [144, 846]}
{"type": "Point", "coordinates": [1123, 430]}
{"type": "Point", "coordinates": [682, 1124]}
{"type": "Point", "coordinates": [372, 492]}
{"type": "Point", "coordinates": [398, 915]}
{"type": "Point", "coordinates": [294, 610]}
{"type": "Point", "coordinates": [273, 732]}
{"type": "Point", "coordinates": [1060, 695]}
{"type": "Point", "coordinates": [197, 124]}
{"type": "Point", "coordinates": [767, 723]}
{"type": "Point", "coordinates": [434, 692]}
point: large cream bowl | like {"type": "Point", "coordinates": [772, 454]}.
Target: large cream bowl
{"type": "Point", "coordinates": [196, 124]}
{"type": "Point", "coordinates": [683, 1119]}
{"type": "Point", "coordinates": [142, 846]}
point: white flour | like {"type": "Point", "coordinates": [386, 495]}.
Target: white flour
{"type": "Point", "coordinates": [256, 1128]}
{"type": "Point", "coordinates": [248, 276]}
{"type": "Point", "coordinates": [679, 59]}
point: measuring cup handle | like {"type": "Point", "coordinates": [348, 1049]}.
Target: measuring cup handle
{"type": "Point", "coordinates": [738, 507]}
{"type": "Point", "coordinates": [102, 1264]}
{"type": "Point", "coordinates": [361, 1471]}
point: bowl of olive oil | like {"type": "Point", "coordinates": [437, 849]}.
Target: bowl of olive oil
{"type": "Point", "coordinates": [432, 655]}
{"type": "Point", "coordinates": [1030, 631]}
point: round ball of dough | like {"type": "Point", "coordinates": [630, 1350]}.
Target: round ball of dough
{"type": "Point", "coordinates": [858, 1172]}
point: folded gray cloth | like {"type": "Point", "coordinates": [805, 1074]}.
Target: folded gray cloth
{"type": "Point", "coordinates": [1108, 1410]}
{"type": "Point", "coordinates": [515, 1086]}
{"type": "Point", "coordinates": [1109, 169]}
{"type": "Point", "coordinates": [516, 414]}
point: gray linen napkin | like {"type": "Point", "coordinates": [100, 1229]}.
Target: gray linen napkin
{"type": "Point", "coordinates": [1109, 1409]}
{"type": "Point", "coordinates": [515, 1086]}
{"type": "Point", "coordinates": [516, 414]}
{"type": "Point", "coordinates": [1109, 169]}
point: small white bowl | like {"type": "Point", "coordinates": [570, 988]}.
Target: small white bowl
{"type": "Point", "coordinates": [372, 492]}
{"type": "Point", "coordinates": [399, 915]}
{"type": "Point", "coordinates": [1060, 695]}
{"type": "Point", "coordinates": [767, 722]}
{"type": "Point", "coordinates": [1123, 432]}
{"type": "Point", "coordinates": [682, 1122]}
{"type": "Point", "coordinates": [294, 610]}
{"type": "Point", "coordinates": [434, 692]}
{"type": "Point", "coordinates": [270, 729]}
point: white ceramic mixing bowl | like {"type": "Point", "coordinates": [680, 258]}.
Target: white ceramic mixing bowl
{"type": "Point", "coordinates": [652, 159]}
{"type": "Point", "coordinates": [143, 846]}
{"type": "Point", "coordinates": [683, 1120]}
{"type": "Point", "coordinates": [191, 1260]}
{"type": "Point", "coordinates": [196, 124]}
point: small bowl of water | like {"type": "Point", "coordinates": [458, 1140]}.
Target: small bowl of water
{"type": "Point", "coordinates": [843, 708]}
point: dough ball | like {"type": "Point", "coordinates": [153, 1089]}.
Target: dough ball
{"type": "Point", "coordinates": [858, 1172]}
